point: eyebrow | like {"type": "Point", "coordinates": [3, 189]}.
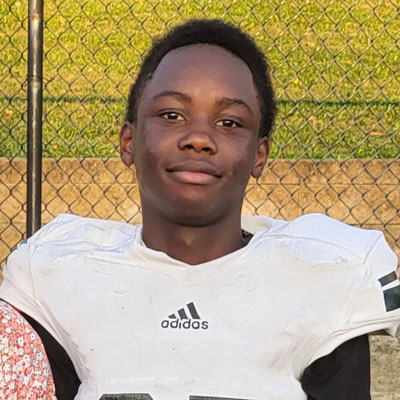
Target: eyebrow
{"type": "Point", "coordinates": [223, 101]}
{"type": "Point", "coordinates": [172, 93]}
{"type": "Point", "coordinates": [228, 101]}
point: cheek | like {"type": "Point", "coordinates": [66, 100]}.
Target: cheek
{"type": "Point", "coordinates": [150, 144]}
{"type": "Point", "coordinates": [151, 151]}
{"type": "Point", "coordinates": [155, 141]}
{"type": "Point", "coordinates": [143, 158]}
{"type": "Point", "coordinates": [244, 157]}
{"type": "Point", "coordinates": [146, 146]}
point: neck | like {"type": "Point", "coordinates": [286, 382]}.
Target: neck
{"type": "Point", "coordinates": [193, 245]}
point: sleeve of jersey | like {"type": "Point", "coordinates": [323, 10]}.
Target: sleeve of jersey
{"type": "Point", "coordinates": [375, 302]}
{"type": "Point", "coordinates": [18, 285]}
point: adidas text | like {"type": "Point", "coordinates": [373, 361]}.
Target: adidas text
{"type": "Point", "coordinates": [185, 318]}
{"type": "Point", "coordinates": [184, 324]}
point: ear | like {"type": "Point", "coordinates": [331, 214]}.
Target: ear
{"type": "Point", "coordinates": [126, 143]}
{"type": "Point", "coordinates": [261, 158]}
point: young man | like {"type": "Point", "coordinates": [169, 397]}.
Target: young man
{"type": "Point", "coordinates": [197, 303]}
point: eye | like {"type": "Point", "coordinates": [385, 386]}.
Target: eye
{"type": "Point", "coordinates": [228, 123]}
{"type": "Point", "coordinates": [171, 115]}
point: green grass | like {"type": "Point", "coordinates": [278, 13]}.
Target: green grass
{"type": "Point", "coordinates": [335, 65]}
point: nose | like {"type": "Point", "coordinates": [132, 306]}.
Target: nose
{"type": "Point", "coordinates": [198, 139]}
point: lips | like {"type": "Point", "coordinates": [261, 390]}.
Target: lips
{"type": "Point", "coordinates": [195, 173]}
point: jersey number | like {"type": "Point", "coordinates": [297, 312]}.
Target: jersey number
{"type": "Point", "coordinates": [145, 396]}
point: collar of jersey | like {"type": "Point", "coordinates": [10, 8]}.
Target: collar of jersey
{"type": "Point", "coordinates": [163, 260]}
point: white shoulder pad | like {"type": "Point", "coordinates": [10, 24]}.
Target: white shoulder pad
{"type": "Point", "coordinates": [18, 284]}
{"type": "Point", "coordinates": [326, 230]}
{"type": "Point", "coordinates": [70, 230]}
{"type": "Point", "coordinates": [65, 235]}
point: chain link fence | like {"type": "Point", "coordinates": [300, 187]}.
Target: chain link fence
{"type": "Point", "coordinates": [336, 146]}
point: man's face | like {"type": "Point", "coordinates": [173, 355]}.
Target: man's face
{"type": "Point", "coordinates": [195, 143]}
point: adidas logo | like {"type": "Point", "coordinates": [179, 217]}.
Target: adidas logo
{"type": "Point", "coordinates": [182, 321]}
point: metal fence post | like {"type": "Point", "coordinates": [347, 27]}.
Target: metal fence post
{"type": "Point", "coordinates": [35, 68]}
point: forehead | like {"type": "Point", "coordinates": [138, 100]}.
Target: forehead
{"type": "Point", "coordinates": [204, 67]}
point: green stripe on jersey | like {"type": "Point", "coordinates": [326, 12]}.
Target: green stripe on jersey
{"type": "Point", "coordinates": [392, 298]}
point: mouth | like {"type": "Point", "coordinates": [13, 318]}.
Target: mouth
{"type": "Point", "coordinates": [194, 173]}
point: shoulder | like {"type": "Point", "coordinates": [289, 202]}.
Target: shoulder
{"type": "Point", "coordinates": [319, 236]}
{"type": "Point", "coordinates": [348, 273]}
{"type": "Point", "coordinates": [70, 229]}
{"type": "Point", "coordinates": [68, 234]}
{"type": "Point", "coordinates": [65, 236]}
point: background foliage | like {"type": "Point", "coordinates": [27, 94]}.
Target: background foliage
{"type": "Point", "coordinates": [335, 63]}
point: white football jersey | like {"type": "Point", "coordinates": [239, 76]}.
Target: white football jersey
{"type": "Point", "coordinates": [244, 326]}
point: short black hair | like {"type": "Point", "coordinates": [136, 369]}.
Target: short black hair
{"type": "Point", "coordinates": [214, 32]}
